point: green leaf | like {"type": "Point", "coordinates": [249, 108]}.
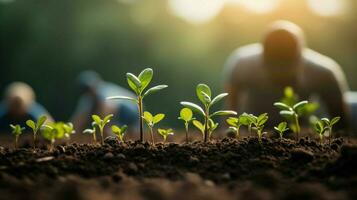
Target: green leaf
{"type": "Point", "coordinates": [186, 114]}
{"type": "Point", "coordinates": [145, 77]}
{"type": "Point", "coordinates": [154, 89]}
{"type": "Point", "coordinates": [193, 107]}
{"type": "Point", "coordinates": [233, 121]}
{"type": "Point", "coordinates": [223, 112]}
{"type": "Point", "coordinates": [89, 131]}
{"type": "Point", "coordinates": [148, 117]}
{"type": "Point", "coordinates": [300, 105]}
{"type": "Point", "coordinates": [97, 119]}
{"type": "Point", "coordinates": [335, 120]}
{"type": "Point", "coordinates": [31, 124]}
{"type": "Point", "coordinates": [116, 129]}
{"type": "Point", "coordinates": [41, 121]}
{"type": "Point", "coordinates": [326, 121]}
{"type": "Point", "coordinates": [218, 98]}
{"type": "Point", "coordinates": [282, 106]}
{"type": "Point", "coordinates": [122, 98]}
{"type": "Point", "coordinates": [199, 126]}
{"type": "Point", "coordinates": [124, 128]}
{"type": "Point", "coordinates": [282, 126]}
{"type": "Point", "coordinates": [158, 118]}
{"type": "Point", "coordinates": [107, 118]}
{"type": "Point", "coordinates": [203, 88]}
{"type": "Point", "coordinates": [207, 99]}
{"type": "Point", "coordinates": [287, 113]}
{"type": "Point", "coordinates": [245, 119]}
{"type": "Point", "coordinates": [133, 82]}
{"type": "Point", "coordinates": [262, 117]}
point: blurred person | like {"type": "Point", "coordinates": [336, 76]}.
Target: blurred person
{"type": "Point", "coordinates": [18, 106]}
{"type": "Point", "coordinates": [256, 75]}
{"type": "Point", "coordinates": [93, 101]}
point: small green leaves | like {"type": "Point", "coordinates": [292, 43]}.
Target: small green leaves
{"type": "Point", "coordinates": [186, 114]}
{"type": "Point", "coordinates": [30, 123]}
{"type": "Point", "coordinates": [282, 106]}
{"type": "Point", "coordinates": [101, 122]}
{"type": "Point", "coordinates": [152, 120]}
{"type": "Point", "coordinates": [145, 77]}
{"type": "Point", "coordinates": [199, 126]}
{"type": "Point", "coordinates": [223, 112]}
{"type": "Point", "coordinates": [218, 98]}
{"type": "Point", "coordinates": [335, 120]}
{"type": "Point", "coordinates": [165, 132]}
{"type": "Point", "coordinates": [203, 91]}
{"type": "Point", "coordinates": [319, 127]}
{"type": "Point", "coordinates": [281, 128]}
{"type": "Point", "coordinates": [36, 126]}
{"type": "Point", "coordinates": [119, 131]}
{"type": "Point", "coordinates": [133, 82]}
{"type": "Point", "coordinates": [300, 105]}
{"type": "Point", "coordinates": [123, 98]}
{"type": "Point", "coordinates": [193, 107]}
{"type": "Point", "coordinates": [154, 89]}
{"type": "Point", "coordinates": [68, 129]}
{"type": "Point", "coordinates": [89, 131]}
{"type": "Point", "coordinates": [17, 129]}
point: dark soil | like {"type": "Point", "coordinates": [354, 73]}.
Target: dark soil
{"type": "Point", "coordinates": [226, 169]}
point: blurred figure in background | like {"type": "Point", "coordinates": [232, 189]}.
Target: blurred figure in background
{"type": "Point", "coordinates": [19, 105]}
{"type": "Point", "coordinates": [93, 101]}
{"type": "Point", "coordinates": [257, 74]}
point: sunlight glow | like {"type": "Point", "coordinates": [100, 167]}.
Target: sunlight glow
{"type": "Point", "coordinates": [260, 6]}
{"type": "Point", "coordinates": [196, 11]}
{"type": "Point", "coordinates": [327, 7]}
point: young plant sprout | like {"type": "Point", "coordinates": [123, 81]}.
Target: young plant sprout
{"type": "Point", "coordinates": [119, 131]}
{"type": "Point", "coordinates": [281, 129]}
{"type": "Point", "coordinates": [68, 130]}
{"type": "Point", "coordinates": [329, 124]}
{"type": "Point", "coordinates": [165, 132]}
{"type": "Point", "coordinates": [151, 121]}
{"type": "Point", "coordinates": [234, 125]}
{"type": "Point", "coordinates": [92, 131]}
{"type": "Point", "coordinates": [138, 85]}
{"type": "Point", "coordinates": [36, 127]}
{"type": "Point", "coordinates": [186, 115]}
{"type": "Point", "coordinates": [53, 131]}
{"type": "Point", "coordinates": [258, 124]}
{"type": "Point", "coordinates": [320, 129]}
{"type": "Point", "coordinates": [205, 96]}
{"type": "Point", "coordinates": [17, 131]}
{"type": "Point", "coordinates": [247, 120]}
{"type": "Point", "coordinates": [211, 127]}
{"type": "Point", "coordinates": [292, 114]}
{"type": "Point", "coordinates": [101, 124]}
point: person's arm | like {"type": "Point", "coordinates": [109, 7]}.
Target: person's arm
{"type": "Point", "coordinates": [333, 88]}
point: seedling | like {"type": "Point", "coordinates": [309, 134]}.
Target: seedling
{"type": "Point", "coordinates": [119, 131]}
{"type": "Point", "coordinates": [329, 124]}
{"type": "Point", "coordinates": [205, 96]}
{"type": "Point", "coordinates": [211, 127]}
{"type": "Point", "coordinates": [151, 121]}
{"type": "Point", "coordinates": [247, 120]}
{"type": "Point", "coordinates": [92, 131]}
{"type": "Point", "coordinates": [258, 124]}
{"type": "Point", "coordinates": [281, 129]}
{"type": "Point", "coordinates": [186, 116]}
{"type": "Point", "coordinates": [138, 85]}
{"type": "Point", "coordinates": [320, 129]}
{"type": "Point", "coordinates": [68, 130]}
{"type": "Point", "coordinates": [292, 114]}
{"type": "Point", "coordinates": [290, 98]}
{"type": "Point", "coordinates": [101, 124]}
{"type": "Point", "coordinates": [36, 127]}
{"type": "Point", "coordinates": [235, 124]}
{"type": "Point", "coordinates": [53, 131]}
{"type": "Point", "coordinates": [17, 131]}
{"type": "Point", "coordinates": [165, 132]}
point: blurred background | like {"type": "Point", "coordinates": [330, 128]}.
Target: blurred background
{"type": "Point", "coordinates": [47, 43]}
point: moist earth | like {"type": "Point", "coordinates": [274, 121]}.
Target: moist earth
{"type": "Point", "coordinates": [223, 169]}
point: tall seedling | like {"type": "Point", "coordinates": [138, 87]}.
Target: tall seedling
{"type": "Point", "coordinates": [138, 85]}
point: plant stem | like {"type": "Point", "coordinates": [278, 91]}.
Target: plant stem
{"type": "Point", "coordinates": [94, 138]}
{"type": "Point", "coordinates": [101, 135]}
{"type": "Point", "coordinates": [206, 125]}
{"type": "Point", "coordinates": [186, 127]}
{"type": "Point", "coordinates": [297, 127]}
{"type": "Point", "coordinates": [16, 139]}
{"type": "Point", "coordinates": [34, 140]}
{"type": "Point", "coordinates": [141, 120]}
{"type": "Point", "coordinates": [250, 129]}
{"type": "Point", "coordinates": [152, 135]}
{"type": "Point", "coordinates": [329, 135]}
{"type": "Point", "coordinates": [238, 134]}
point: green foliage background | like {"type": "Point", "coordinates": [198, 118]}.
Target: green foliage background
{"type": "Point", "coordinates": [46, 43]}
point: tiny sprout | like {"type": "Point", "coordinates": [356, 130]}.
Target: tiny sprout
{"type": "Point", "coordinates": [97, 121]}
{"type": "Point", "coordinates": [186, 115]}
{"type": "Point", "coordinates": [320, 129]}
{"type": "Point", "coordinates": [119, 131]}
{"type": "Point", "coordinates": [53, 131]}
{"type": "Point", "coordinates": [91, 131]}
{"type": "Point", "coordinates": [151, 121]}
{"type": "Point", "coordinates": [138, 85]}
{"type": "Point", "coordinates": [204, 94]}
{"type": "Point", "coordinates": [247, 120]}
{"type": "Point", "coordinates": [36, 127]}
{"type": "Point", "coordinates": [165, 132]}
{"type": "Point", "coordinates": [281, 129]}
{"type": "Point", "coordinates": [292, 114]}
{"type": "Point", "coordinates": [17, 131]}
{"type": "Point", "coordinates": [211, 127]}
{"type": "Point", "coordinates": [68, 130]}
{"type": "Point", "coordinates": [236, 122]}
{"type": "Point", "coordinates": [258, 124]}
{"type": "Point", "coordinates": [329, 124]}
